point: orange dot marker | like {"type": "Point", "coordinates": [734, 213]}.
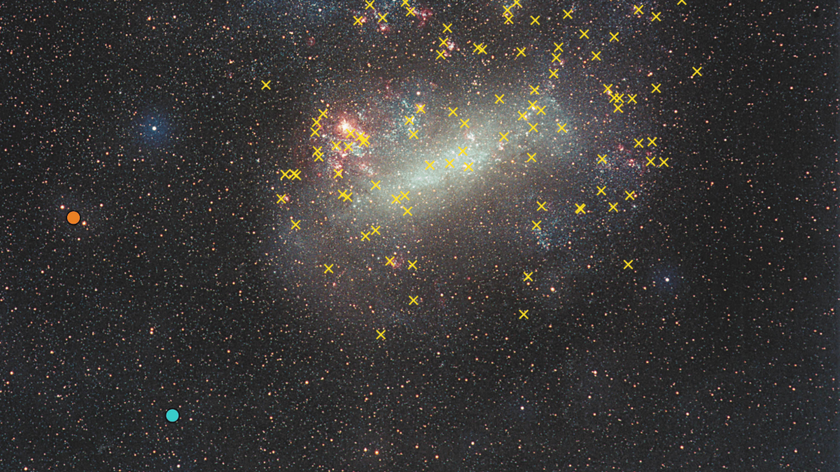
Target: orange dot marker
{"type": "Point", "coordinates": [73, 217]}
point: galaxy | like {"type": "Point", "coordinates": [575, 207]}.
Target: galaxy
{"type": "Point", "coordinates": [401, 235]}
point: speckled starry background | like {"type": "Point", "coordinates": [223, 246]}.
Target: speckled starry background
{"type": "Point", "coordinates": [185, 285]}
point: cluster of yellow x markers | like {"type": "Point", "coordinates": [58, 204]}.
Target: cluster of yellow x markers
{"type": "Point", "coordinates": [358, 138]}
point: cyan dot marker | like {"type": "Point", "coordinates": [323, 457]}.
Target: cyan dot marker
{"type": "Point", "coordinates": [172, 415]}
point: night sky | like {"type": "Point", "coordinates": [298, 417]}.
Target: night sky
{"type": "Point", "coordinates": [419, 236]}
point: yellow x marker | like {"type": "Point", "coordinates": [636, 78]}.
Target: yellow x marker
{"type": "Point", "coordinates": [407, 211]}
{"type": "Point", "coordinates": [375, 185]}
{"type": "Point", "coordinates": [375, 229]}
{"type": "Point", "coordinates": [465, 123]}
{"type": "Point", "coordinates": [523, 314]}
{"type": "Point", "coordinates": [315, 133]}
{"type": "Point", "coordinates": [507, 10]}
{"type": "Point", "coordinates": [479, 49]}
{"type": "Point", "coordinates": [638, 143]}
{"type": "Point", "coordinates": [632, 98]}
{"type": "Point", "coordinates": [663, 162]}
{"type": "Point", "coordinates": [449, 163]}
{"type": "Point", "coordinates": [413, 134]}
{"type": "Point", "coordinates": [561, 128]}
{"type": "Point", "coordinates": [612, 207]}
{"type": "Point", "coordinates": [329, 268]}
{"type": "Point", "coordinates": [534, 90]}
{"type": "Point", "coordinates": [463, 150]}
{"type": "Point", "coordinates": [601, 191]}
{"type": "Point", "coordinates": [336, 145]}
{"type": "Point", "coordinates": [618, 108]}
{"type": "Point", "coordinates": [553, 73]}
{"type": "Point", "coordinates": [279, 198]}
{"type": "Point", "coordinates": [411, 265]}
{"type": "Point", "coordinates": [540, 110]}
{"type": "Point", "coordinates": [442, 42]}
{"type": "Point", "coordinates": [531, 158]}
{"type": "Point", "coordinates": [533, 105]}
{"type": "Point", "coordinates": [696, 72]}
{"type": "Point", "coordinates": [499, 98]}
{"type": "Point", "coordinates": [533, 128]}
{"type": "Point", "coordinates": [655, 88]}
{"type": "Point", "coordinates": [363, 139]}
{"type": "Point", "coordinates": [404, 195]}
{"type": "Point", "coordinates": [358, 20]}
{"type": "Point", "coordinates": [410, 11]}
{"type": "Point", "coordinates": [413, 300]}
{"type": "Point", "coordinates": [390, 261]}
{"type": "Point", "coordinates": [540, 206]}
{"type": "Point", "coordinates": [521, 52]}
{"type": "Point", "coordinates": [265, 85]}
{"type": "Point", "coordinates": [651, 142]}
{"type": "Point", "coordinates": [516, 3]}
{"type": "Point", "coordinates": [528, 276]}
{"type": "Point", "coordinates": [681, 2]}
{"type": "Point", "coordinates": [430, 165]}
{"type": "Point", "coordinates": [613, 37]}
{"type": "Point", "coordinates": [468, 167]}
{"type": "Point", "coordinates": [369, 4]}
{"type": "Point", "coordinates": [627, 264]}
{"type": "Point", "coordinates": [508, 19]}
{"type": "Point", "coordinates": [630, 195]}
{"type": "Point", "coordinates": [382, 18]}
{"type": "Point", "coordinates": [345, 196]}
{"type": "Point", "coordinates": [318, 151]}
{"type": "Point", "coordinates": [446, 28]}
{"type": "Point", "coordinates": [440, 55]}
{"type": "Point", "coordinates": [522, 116]}
{"type": "Point", "coordinates": [535, 20]}
{"type": "Point", "coordinates": [656, 17]}
{"type": "Point", "coordinates": [453, 111]}
{"type": "Point", "coordinates": [322, 114]}
{"type": "Point", "coordinates": [584, 34]}
{"type": "Point", "coordinates": [409, 119]}
{"type": "Point", "coordinates": [421, 108]}
{"type": "Point", "coordinates": [607, 88]}
{"type": "Point", "coordinates": [602, 158]}
{"type": "Point", "coordinates": [596, 55]}
{"type": "Point", "coordinates": [580, 208]}
{"type": "Point", "coordinates": [381, 334]}
{"type": "Point", "coordinates": [650, 161]}
{"type": "Point", "coordinates": [365, 236]}
{"type": "Point", "coordinates": [556, 58]}
{"type": "Point", "coordinates": [558, 46]}
{"type": "Point", "coordinates": [536, 224]}
{"type": "Point", "coordinates": [351, 133]}
{"type": "Point", "coordinates": [568, 14]}
{"type": "Point", "coordinates": [638, 9]}
{"type": "Point", "coordinates": [338, 173]}
{"type": "Point", "coordinates": [295, 224]}
{"type": "Point", "coordinates": [348, 147]}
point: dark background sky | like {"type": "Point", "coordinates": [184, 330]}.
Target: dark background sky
{"type": "Point", "coordinates": [177, 291]}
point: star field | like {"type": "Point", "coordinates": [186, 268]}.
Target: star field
{"type": "Point", "coordinates": [397, 235]}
